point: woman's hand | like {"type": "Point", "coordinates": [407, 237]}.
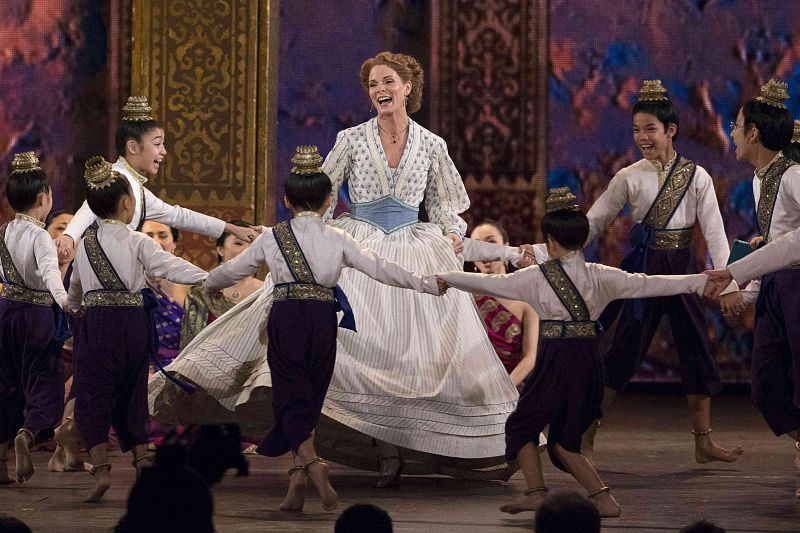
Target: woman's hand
{"type": "Point", "coordinates": [458, 242]}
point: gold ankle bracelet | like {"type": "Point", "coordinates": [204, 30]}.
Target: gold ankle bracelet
{"type": "Point", "coordinates": [700, 433]}
{"type": "Point", "coordinates": [599, 491]}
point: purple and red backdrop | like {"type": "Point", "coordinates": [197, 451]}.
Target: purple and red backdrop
{"type": "Point", "coordinates": [62, 71]}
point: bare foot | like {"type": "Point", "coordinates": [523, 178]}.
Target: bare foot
{"type": "Point", "coordinates": [102, 482]}
{"type": "Point", "coordinates": [318, 472]}
{"type": "Point", "coordinates": [296, 494]}
{"type": "Point", "coordinates": [706, 451]}
{"type": "Point", "coordinates": [59, 462]}
{"type": "Point", "coordinates": [24, 463]}
{"type": "Point", "coordinates": [606, 505]}
{"type": "Point", "coordinates": [530, 502]}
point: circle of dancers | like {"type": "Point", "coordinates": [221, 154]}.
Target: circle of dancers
{"type": "Point", "coordinates": [353, 348]}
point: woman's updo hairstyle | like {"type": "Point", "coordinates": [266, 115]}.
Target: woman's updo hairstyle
{"type": "Point", "coordinates": [406, 67]}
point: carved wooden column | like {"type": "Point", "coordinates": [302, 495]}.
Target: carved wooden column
{"type": "Point", "coordinates": [210, 72]}
{"type": "Point", "coordinates": [489, 101]}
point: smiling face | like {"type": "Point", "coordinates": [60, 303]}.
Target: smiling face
{"type": "Point", "coordinates": [742, 138]}
{"type": "Point", "coordinates": [387, 91]}
{"type": "Point", "coordinates": [489, 233]}
{"type": "Point", "coordinates": [653, 137]}
{"type": "Point", "coordinates": [146, 157]}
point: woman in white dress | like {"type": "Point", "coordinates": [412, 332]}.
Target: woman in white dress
{"type": "Point", "coordinates": [418, 387]}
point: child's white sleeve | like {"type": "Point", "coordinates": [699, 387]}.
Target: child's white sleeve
{"type": "Point", "coordinates": [160, 264]}
{"type": "Point", "coordinates": [179, 217]}
{"type": "Point", "coordinates": [243, 265]}
{"type": "Point", "coordinates": [515, 286]}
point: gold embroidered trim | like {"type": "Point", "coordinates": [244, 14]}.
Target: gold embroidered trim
{"type": "Point", "coordinates": [114, 222]}
{"type": "Point", "coordinates": [555, 329]}
{"type": "Point", "coordinates": [565, 290]}
{"type": "Point", "coordinates": [196, 308]}
{"type": "Point", "coordinates": [770, 183]}
{"type": "Point", "coordinates": [100, 263]}
{"type": "Point", "coordinates": [138, 177]}
{"type": "Point", "coordinates": [16, 289]}
{"type": "Point", "coordinates": [302, 291]}
{"type": "Point", "coordinates": [673, 239]}
{"type": "Point", "coordinates": [113, 298]}
{"type": "Point", "coordinates": [35, 222]}
{"type": "Point", "coordinates": [9, 268]}
{"type": "Point", "coordinates": [292, 253]}
{"type": "Point", "coordinates": [671, 194]}
{"type": "Point", "coordinates": [29, 296]}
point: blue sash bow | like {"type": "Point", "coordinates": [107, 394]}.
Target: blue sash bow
{"type": "Point", "coordinates": [342, 304]}
{"type": "Point", "coordinates": [640, 238]}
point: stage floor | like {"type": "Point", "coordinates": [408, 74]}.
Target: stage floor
{"type": "Point", "coordinates": [644, 453]}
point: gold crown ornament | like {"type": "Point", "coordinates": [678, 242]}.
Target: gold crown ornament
{"type": "Point", "coordinates": [307, 161]}
{"type": "Point", "coordinates": [137, 109]}
{"type": "Point", "coordinates": [561, 199]}
{"type": "Point", "coordinates": [24, 162]}
{"type": "Point", "coordinates": [796, 132]}
{"type": "Point", "coordinates": [774, 93]}
{"type": "Point", "coordinates": [652, 91]}
{"type": "Point", "coordinates": [99, 173]}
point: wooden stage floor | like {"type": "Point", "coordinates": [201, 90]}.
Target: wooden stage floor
{"type": "Point", "coordinates": [644, 453]}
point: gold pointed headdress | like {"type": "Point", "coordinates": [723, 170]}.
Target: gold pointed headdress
{"type": "Point", "coordinates": [307, 161]}
{"type": "Point", "coordinates": [24, 162]}
{"type": "Point", "coordinates": [99, 174]}
{"type": "Point", "coordinates": [137, 109]}
{"type": "Point", "coordinates": [561, 199]}
{"type": "Point", "coordinates": [796, 132]}
{"type": "Point", "coordinates": [774, 93]}
{"type": "Point", "coordinates": [652, 91]}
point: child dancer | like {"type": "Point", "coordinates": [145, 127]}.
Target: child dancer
{"type": "Point", "coordinates": [140, 141]}
{"type": "Point", "coordinates": [306, 258]}
{"type": "Point", "coordinates": [668, 195]}
{"type": "Point", "coordinates": [116, 333]}
{"type": "Point", "coordinates": [763, 128]}
{"type": "Point", "coordinates": [32, 326]}
{"type": "Point", "coordinates": [565, 389]}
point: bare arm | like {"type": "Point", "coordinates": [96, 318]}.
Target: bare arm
{"type": "Point", "coordinates": [530, 343]}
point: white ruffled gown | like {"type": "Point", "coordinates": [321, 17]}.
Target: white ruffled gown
{"type": "Point", "coordinates": [420, 373]}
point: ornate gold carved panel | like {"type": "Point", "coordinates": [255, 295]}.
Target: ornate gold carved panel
{"type": "Point", "coordinates": [210, 71]}
{"type": "Point", "coordinates": [489, 87]}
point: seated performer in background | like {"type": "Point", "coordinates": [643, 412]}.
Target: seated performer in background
{"type": "Point", "coordinates": [200, 308]}
{"type": "Point", "coordinates": [306, 258]}
{"type": "Point", "coordinates": [565, 389]}
{"type": "Point", "coordinates": [116, 333]}
{"type": "Point", "coordinates": [32, 321]}
{"type": "Point", "coordinates": [668, 195]}
{"type": "Point", "coordinates": [512, 326]}
{"type": "Point", "coordinates": [170, 296]}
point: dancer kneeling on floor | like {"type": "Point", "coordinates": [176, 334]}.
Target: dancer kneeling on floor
{"type": "Point", "coordinates": [565, 389]}
{"type": "Point", "coordinates": [305, 258]}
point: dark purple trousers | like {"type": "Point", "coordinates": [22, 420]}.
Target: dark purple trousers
{"type": "Point", "coordinates": [565, 390]}
{"type": "Point", "coordinates": [775, 367]}
{"type": "Point", "coordinates": [301, 355]}
{"type": "Point", "coordinates": [31, 371]}
{"type": "Point", "coordinates": [110, 361]}
{"type": "Point", "coordinates": [632, 337]}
